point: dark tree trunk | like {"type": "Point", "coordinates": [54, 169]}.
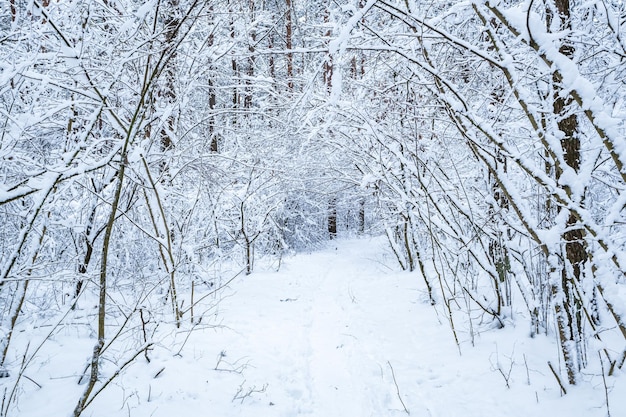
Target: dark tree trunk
{"type": "Point", "coordinates": [362, 216]}
{"type": "Point", "coordinates": [289, 44]}
{"type": "Point", "coordinates": [332, 219]}
{"type": "Point", "coordinates": [214, 148]}
{"type": "Point", "coordinates": [328, 63]}
{"type": "Point", "coordinates": [568, 306]}
{"type": "Point", "coordinates": [172, 21]}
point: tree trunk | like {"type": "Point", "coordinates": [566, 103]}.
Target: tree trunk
{"type": "Point", "coordinates": [247, 101]}
{"type": "Point", "coordinates": [498, 250]}
{"type": "Point", "coordinates": [172, 21]}
{"type": "Point", "coordinates": [362, 216]}
{"type": "Point", "coordinates": [233, 65]}
{"type": "Point", "coordinates": [568, 306]}
{"type": "Point", "coordinates": [289, 44]}
{"type": "Point", "coordinates": [328, 62]}
{"type": "Point", "coordinates": [213, 137]}
{"type": "Point", "coordinates": [332, 218]}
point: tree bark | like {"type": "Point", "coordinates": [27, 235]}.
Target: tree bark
{"type": "Point", "coordinates": [568, 305]}
{"type": "Point", "coordinates": [289, 44]}
{"type": "Point", "coordinates": [332, 219]}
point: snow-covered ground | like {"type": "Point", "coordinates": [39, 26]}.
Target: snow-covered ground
{"type": "Point", "coordinates": [335, 333]}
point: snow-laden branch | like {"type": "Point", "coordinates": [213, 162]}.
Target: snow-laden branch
{"type": "Point", "coordinates": [530, 29]}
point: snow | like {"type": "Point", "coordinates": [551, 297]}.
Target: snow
{"type": "Point", "coordinates": [581, 88]}
{"type": "Point", "coordinates": [338, 332]}
{"type": "Point", "coordinates": [144, 9]}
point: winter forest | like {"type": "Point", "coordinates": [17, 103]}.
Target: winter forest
{"type": "Point", "coordinates": [155, 154]}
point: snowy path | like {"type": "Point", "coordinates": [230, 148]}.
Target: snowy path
{"type": "Point", "coordinates": [322, 332]}
{"type": "Point", "coordinates": [331, 326]}
{"type": "Point", "coordinates": [321, 337]}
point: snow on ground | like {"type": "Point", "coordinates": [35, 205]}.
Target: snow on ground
{"type": "Point", "coordinates": [339, 333]}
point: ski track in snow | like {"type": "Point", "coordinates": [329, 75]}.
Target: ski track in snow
{"type": "Point", "coordinates": [319, 338]}
{"type": "Point", "coordinates": [353, 338]}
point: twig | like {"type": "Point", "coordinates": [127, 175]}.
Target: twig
{"type": "Point", "coordinates": [235, 367]}
{"type": "Point", "coordinates": [606, 389]}
{"type": "Point", "coordinates": [193, 287]}
{"type": "Point", "coordinates": [39, 385]}
{"type": "Point", "coordinates": [393, 374]}
{"type": "Point", "coordinates": [506, 375]}
{"type": "Point", "coordinates": [115, 374]}
{"type": "Point", "coordinates": [214, 291]}
{"type": "Point", "coordinates": [159, 373]}
{"type": "Point", "coordinates": [145, 334]}
{"type": "Point", "coordinates": [193, 327]}
{"type": "Point", "coordinates": [220, 357]}
{"type": "Point", "coordinates": [557, 378]}
{"type": "Point", "coordinates": [241, 395]}
{"type": "Point", "coordinates": [527, 372]}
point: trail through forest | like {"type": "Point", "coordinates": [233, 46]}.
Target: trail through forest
{"type": "Point", "coordinates": [342, 332]}
{"type": "Point", "coordinates": [174, 176]}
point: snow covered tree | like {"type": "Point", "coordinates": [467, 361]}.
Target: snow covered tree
{"type": "Point", "coordinates": [523, 98]}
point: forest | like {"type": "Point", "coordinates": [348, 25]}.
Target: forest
{"type": "Point", "coordinates": [153, 152]}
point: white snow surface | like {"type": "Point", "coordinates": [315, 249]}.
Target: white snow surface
{"type": "Point", "coordinates": [339, 332]}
